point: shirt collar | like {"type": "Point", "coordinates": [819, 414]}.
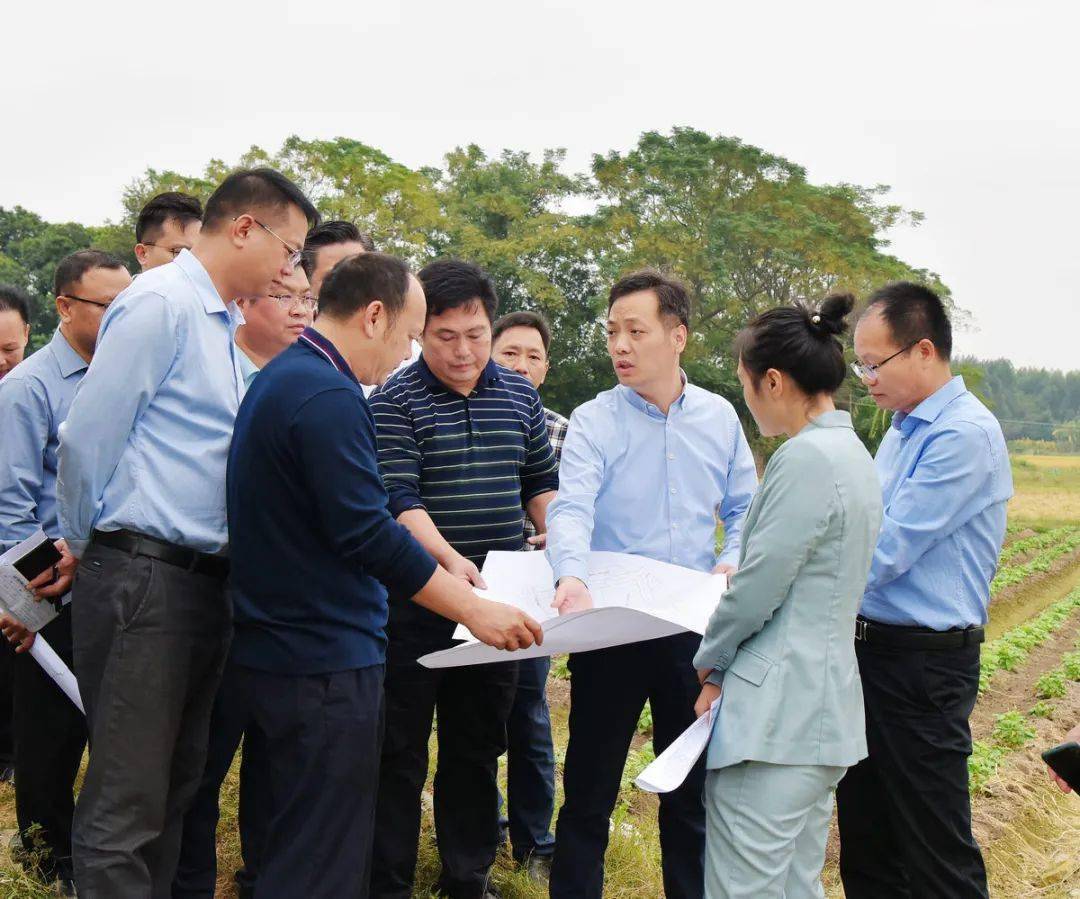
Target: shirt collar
{"type": "Point", "coordinates": [930, 408]}
{"type": "Point", "coordinates": [489, 376]}
{"type": "Point", "coordinates": [835, 419]}
{"type": "Point", "coordinates": [639, 402]}
{"type": "Point", "coordinates": [69, 361]}
{"type": "Point", "coordinates": [200, 277]}
{"type": "Point", "coordinates": [322, 347]}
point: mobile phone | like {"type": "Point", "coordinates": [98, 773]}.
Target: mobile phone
{"type": "Point", "coordinates": [41, 557]}
{"type": "Point", "coordinates": [1064, 760]}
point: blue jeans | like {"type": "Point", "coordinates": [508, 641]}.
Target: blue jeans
{"type": "Point", "coordinates": [530, 781]}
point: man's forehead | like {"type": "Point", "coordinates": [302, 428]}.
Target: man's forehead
{"type": "Point", "coordinates": [333, 253]}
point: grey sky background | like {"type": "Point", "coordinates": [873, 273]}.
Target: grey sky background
{"type": "Point", "coordinates": [967, 109]}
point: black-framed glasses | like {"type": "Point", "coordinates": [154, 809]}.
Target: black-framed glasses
{"type": "Point", "coordinates": [68, 296]}
{"type": "Point", "coordinates": [173, 251]}
{"type": "Point", "coordinates": [868, 372]}
{"type": "Point", "coordinates": [294, 255]}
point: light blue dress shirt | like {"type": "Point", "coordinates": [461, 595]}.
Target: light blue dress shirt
{"type": "Point", "coordinates": [34, 399]}
{"type": "Point", "coordinates": [945, 482]}
{"type": "Point", "coordinates": [145, 444]}
{"type": "Point", "coordinates": [248, 370]}
{"type": "Point", "coordinates": [636, 481]}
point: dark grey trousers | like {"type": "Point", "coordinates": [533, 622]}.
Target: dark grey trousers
{"type": "Point", "coordinates": [149, 645]}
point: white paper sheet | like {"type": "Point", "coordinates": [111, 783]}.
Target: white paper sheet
{"type": "Point", "coordinates": [54, 666]}
{"type": "Point", "coordinates": [634, 599]}
{"type": "Point", "coordinates": [669, 769]}
{"type": "Point", "coordinates": [15, 596]}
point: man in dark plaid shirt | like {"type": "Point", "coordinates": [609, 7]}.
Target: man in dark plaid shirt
{"type": "Point", "coordinates": [520, 341]}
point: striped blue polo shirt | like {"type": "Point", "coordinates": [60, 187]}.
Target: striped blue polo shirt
{"type": "Point", "coordinates": [472, 462]}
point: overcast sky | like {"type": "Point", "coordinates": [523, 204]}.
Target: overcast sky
{"type": "Point", "coordinates": [969, 110]}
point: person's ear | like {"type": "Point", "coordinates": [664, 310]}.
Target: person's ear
{"type": "Point", "coordinates": [63, 310]}
{"type": "Point", "coordinates": [776, 382]}
{"type": "Point", "coordinates": [926, 349]}
{"type": "Point", "coordinates": [374, 318]}
{"type": "Point", "coordinates": [680, 335]}
{"type": "Point", "coordinates": [240, 228]}
{"type": "Point", "coordinates": [142, 253]}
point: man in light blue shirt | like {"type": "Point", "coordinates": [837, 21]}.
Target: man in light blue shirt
{"type": "Point", "coordinates": [50, 731]}
{"type": "Point", "coordinates": [651, 468]}
{"type": "Point", "coordinates": [905, 811]}
{"type": "Point", "coordinates": [141, 490]}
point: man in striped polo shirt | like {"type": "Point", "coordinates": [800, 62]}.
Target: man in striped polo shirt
{"type": "Point", "coordinates": [465, 456]}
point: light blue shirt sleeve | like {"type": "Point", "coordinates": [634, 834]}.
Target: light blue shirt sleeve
{"type": "Point", "coordinates": [791, 518]}
{"type": "Point", "coordinates": [136, 348]}
{"type": "Point", "coordinates": [26, 417]}
{"type": "Point", "coordinates": [954, 470]}
{"type": "Point", "coordinates": [741, 486]}
{"type": "Point", "coordinates": [571, 515]}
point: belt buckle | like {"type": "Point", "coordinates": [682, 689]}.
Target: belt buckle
{"type": "Point", "coordinates": [860, 629]}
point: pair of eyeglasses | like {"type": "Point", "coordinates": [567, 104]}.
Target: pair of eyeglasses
{"type": "Point", "coordinates": [294, 255]}
{"type": "Point", "coordinates": [172, 251]}
{"type": "Point", "coordinates": [868, 372]}
{"type": "Point", "coordinates": [99, 303]}
{"type": "Point", "coordinates": [288, 300]}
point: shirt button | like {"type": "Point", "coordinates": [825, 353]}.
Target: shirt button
{"type": "Point", "coordinates": [671, 455]}
{"type": "Point", "coordinates": [673, 490]}
{"type": "Point", "coordinates": [674, 525]}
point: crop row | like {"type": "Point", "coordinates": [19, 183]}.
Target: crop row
{"type": "Point", "coordinates": [1034, 543]}
{"type": "Point", "coordinates": [1017, 574]}
{"type": "Point", "coordinates": [1008, 652]}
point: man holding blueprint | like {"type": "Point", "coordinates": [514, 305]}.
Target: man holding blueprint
{"type": "Point", "coordinates": [50, 731]}
{"type": "Point", "coordinates": [649, 468]}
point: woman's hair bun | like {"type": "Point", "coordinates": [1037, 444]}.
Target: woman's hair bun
{"type": "Point", "coordinates": [831, 317]}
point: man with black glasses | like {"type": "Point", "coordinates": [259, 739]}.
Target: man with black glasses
{"type": "Point", "coordinates": [50, 732]}
{"type": "Point", "coordinates": [167, 225]}
{"type": "Point", "coordinates": [141, 491]}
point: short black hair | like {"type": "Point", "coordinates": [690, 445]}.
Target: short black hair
{"type": "Point", "coordinates": [15, 299]}
{"type": "Point", "coordinates": [249, 189]}
{"type": "Point", "coordinates": [800, 341]}
{"type": "Point", "coordinates": [72, 267]}
{"type": "Point", "coordinates": [672, 295]}
{"type": "Point", "coordinates": [451, 284]}
{"type": "Point", "coordinates": [913, 312]}
{"type": "Point", "coordinates": [171, 205]}
{"type": "Point", "coordinates": [327, 234]}
{"type": "Point", "coordinates": [358, 280]}
{"type": "Point", "coordinates": [523, 319]}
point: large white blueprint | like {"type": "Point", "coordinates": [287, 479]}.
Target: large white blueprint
{"type": "Point", "coordinates": [669, 769]}
{"type": "Point", "coordinates": [634, 599]}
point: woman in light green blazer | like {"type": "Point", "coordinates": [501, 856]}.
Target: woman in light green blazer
{"type": "Point", "coordinates": [779, 647]}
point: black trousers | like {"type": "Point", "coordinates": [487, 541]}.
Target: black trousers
{"type": "Point", "coordinates": [472, 704]}
{"type": "Point", "coordinates": [905, 811]}
{"type": "Point", "coordinates": [149, 644]}
{"type": "Point", "coordinates": [7, 686]}
{"type": "Point", "coordinates": [322, 734]}
{"type": "Point", "coordinates": [50, 736]}
{"type": "Point", "coordinates": [608, 689]}
{"type": "Point", "coordinates": [232, 721]}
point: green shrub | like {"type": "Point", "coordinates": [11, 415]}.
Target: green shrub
{"type": "Point", "coordinates": [1012, 730]}
{"type": "Point", "coordinates": [1051, 685]}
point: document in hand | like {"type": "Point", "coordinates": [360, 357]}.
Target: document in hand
{"type": "Point", "coordinates": [19, 565]}
{"type": "Point", "coordinates": [634, 598]}
{"type": "Point", "coordinates": [669, 769]}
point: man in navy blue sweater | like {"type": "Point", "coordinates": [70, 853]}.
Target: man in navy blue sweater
{"type": "Point", "coordinates": [312, 545]}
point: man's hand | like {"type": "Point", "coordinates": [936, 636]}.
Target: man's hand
{"type": "Point", "coordinates": [467, 571]}
{"type": "Point", "coordinates": [17, 633]}
{"type": "Point", "coordinates": [56, 581]}
{"type": "Point", "coordinates": [1072, 736]}
{"type": "Point", "coordinates": [539, 541]}
{"type": "Point", "coordinates": [725, 568]}
{"type": "Point", "coordinates": [502, 626]}
{"type": "Point", "coordinates": [709, 694]}
{"type": "Point", "coordinates": [571, 596]}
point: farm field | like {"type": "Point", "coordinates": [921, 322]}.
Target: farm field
{"type": "Point", "coordinates": [1029, 698]}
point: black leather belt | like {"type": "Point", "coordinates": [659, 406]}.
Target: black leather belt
{"type": "Point", "coordinates": [892, 635]}
{"type": "Point", "coordinates": [169, 553]}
